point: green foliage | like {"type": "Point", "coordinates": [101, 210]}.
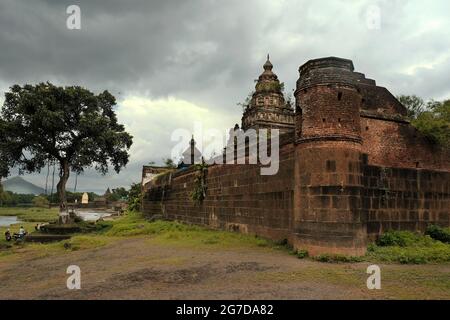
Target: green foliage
{"type": "Point", "coordinates": [408, 247]}
{"type": "Point", "coordinates": [83, 242]}
{"type": "Point", "coordinates": [121, 192]}
{"type": "Point", "coordinates": [199, 192]}
{"type": "Point", "coordinates": [117, 194]}
{"type": "Point", "coordinates": [435, 122]}
{"type": "Point", "coordinates": [270, 87]}
{"type": "Point", "coordinates": [246, 102]}
{"type": "Point", "coordinates": [31, 214]}
{"type": "Point", "coordinates": [10, 199]}
{"type": "Point", "coordinates": [438, 233]}
{"type": "Point", "coordinates": [438, 252]}
{"type": "Point", "coordinates": [169, 163]}
{"type": "Point", "coordinates": [72, 196]}
{"type": "Point", "coordinates": [301, 254]}
{"type": "Point", "coordinates": [40, 201]}
{"type": "Point", "coordinates": [135, 197]}
{"type": "Point", "coordinates": [134, 224]}
{"type": "Point", "coordinates": [68, 125]}
{"type": "Point", "coordinates": [432, 118]}
{"type": "Point", "coordinates": [337, 258]}
{"type": "Point", "coordinates": [398, 238]}
{"type": "Point", "coordinates": [414, 105]}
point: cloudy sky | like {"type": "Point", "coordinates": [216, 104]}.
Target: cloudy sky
{"type": "Point", "coordinates": [171, 64]}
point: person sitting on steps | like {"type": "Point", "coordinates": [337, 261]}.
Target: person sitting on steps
{"type": "Point", "coordinates": [8, 235]}
{"type": "Point", "coordinates": [22, 231]}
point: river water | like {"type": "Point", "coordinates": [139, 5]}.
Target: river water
{"type": "Point", "coordinates": [91, 215]}
{"type": "Point", "coordinates": [7, 221]}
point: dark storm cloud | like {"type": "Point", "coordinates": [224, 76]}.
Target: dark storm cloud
{"type": "Point", "coordinates": [203, 49]}
{"type": "Point", "coordinates": [208, 52]}
{"type": "Point", "coordinates": [156, 47]}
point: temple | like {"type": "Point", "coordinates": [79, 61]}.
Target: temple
{"type": "Point", "coordinates": [267, 108]}
{"type": "Point", "coordinates": [351, 167]}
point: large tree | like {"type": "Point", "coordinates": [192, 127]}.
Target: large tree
{"type": "Point", "coordinates": [69, 126]}
{"type": "Point", "coordinates": [432, 118]}
{"type": "Point", "coordinates": [414, 105]}
{"type": "Point", "coordinates": [434, 122]}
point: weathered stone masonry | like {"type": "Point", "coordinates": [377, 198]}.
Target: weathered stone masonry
{"type": "Point", "coordinates": [351, 167]}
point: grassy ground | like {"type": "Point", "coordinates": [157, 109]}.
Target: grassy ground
{"type": "Point", "coordinates": [133, 258]}
{"type": "Point", "coordinates": [28, 218]}
{"type": "Point", "coordinates": [404, 248]}
{"type": "Point", "coordinates": [417, 249]}
{"type": "Point", "coordinates": [178, 233]}
{"type": "Point", "coordinates": [31, 214]}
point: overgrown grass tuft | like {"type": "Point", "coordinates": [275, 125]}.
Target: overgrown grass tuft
{"type": "Point", "coordinates": [84, 242]}
{"type": "Point", "coordinates": [301, 254]}
{"type": "Point", "coordinates": [408, 248]}
{"type": "Point", "coordinates": [403, 239]}
{"type": "Point", "coordinates": [134, 224]}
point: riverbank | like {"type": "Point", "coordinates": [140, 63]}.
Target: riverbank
{"type": "Point", "coordinates": [133, 258]}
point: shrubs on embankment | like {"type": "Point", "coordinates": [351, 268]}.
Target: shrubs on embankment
{"type": "Point", "coordinates": [403, 247]}
{"type": "Point", "coordinates": [408, 247]}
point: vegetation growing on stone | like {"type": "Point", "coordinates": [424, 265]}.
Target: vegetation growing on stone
{"type": "Point", "coordinates": [199, 192]}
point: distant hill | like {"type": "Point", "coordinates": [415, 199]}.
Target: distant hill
{"type": "Point", "coordinates": [21, 186]}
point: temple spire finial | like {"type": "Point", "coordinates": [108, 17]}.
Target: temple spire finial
{"type": "Point", "coordinates": [268, 65]}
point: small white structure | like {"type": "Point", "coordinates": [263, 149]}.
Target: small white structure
{"type": "Point", "coordinates": [85, 198]}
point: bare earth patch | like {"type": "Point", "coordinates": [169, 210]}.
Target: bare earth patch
{"type": "Point", "coordinates": [139, 268]}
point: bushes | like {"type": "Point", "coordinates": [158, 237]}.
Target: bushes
{"type": "Point", "coordinates": [409, 247]}
{"type": "Point", "coordinates": [134, 197]}
{"type": "Point", "coordinates": [438, 233]}
{"type": "Point", "coordinates": [40, 202]}
{"type": "Point", "coordinates": [301, 254]}
{"type": "Point", "coordinates": [439, 252]}
{"type": "Point", "coordinates": [398, 238]}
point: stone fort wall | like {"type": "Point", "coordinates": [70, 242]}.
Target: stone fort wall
{"type": "Point", "coordinates": [240, 199]}
{"type": "Point", "coordinates": [353, 168]}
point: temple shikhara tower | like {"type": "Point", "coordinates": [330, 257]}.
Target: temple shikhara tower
{"type": "Point", "coordinates": [267, 107]}
{"type": "Point", "coordinates": [351, 167]}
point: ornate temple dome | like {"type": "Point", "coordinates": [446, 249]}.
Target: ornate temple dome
{"type": "Point", "coordinates": [268, 81]}
{"type": "Point", "coordinates": [267, 107]}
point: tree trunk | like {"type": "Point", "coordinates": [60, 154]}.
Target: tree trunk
{"type": "Point", "coordinates": [1, 193]}
{"type": "Point", "coordinates": [64, 172]}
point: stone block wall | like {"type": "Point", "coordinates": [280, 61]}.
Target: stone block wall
{"type": "Point", "coordinates": [398, 144]}
{"type": "Point", "coordinates": [405, 199]}
{"type": "Point", "coordinates": [238, 198]}
{"type": "Point", "coordinates": [353, 169]}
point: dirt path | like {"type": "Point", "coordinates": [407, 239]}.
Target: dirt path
{"type": "Point", "coordinates": [139, 268]}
